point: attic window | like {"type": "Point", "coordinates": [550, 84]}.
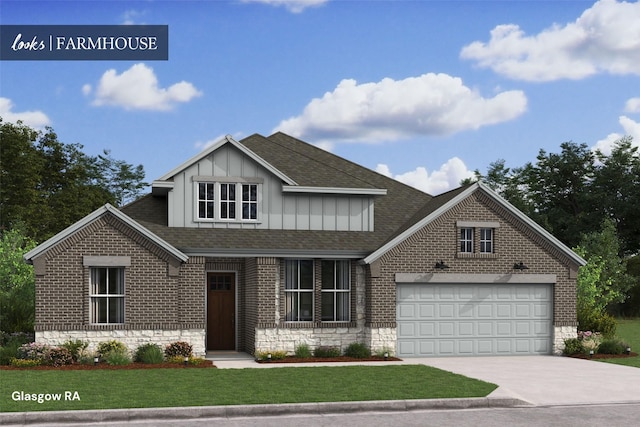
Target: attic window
{"type": "Point", "coordinates": [226, 201]}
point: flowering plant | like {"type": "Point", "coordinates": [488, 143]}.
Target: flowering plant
{"type": "Point", "coordinates": [590, 340]}
{"type": "Point", "coordinates": [34, 351]}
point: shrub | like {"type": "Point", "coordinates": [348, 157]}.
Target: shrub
{"type": "Point", "coordinates": [357, 350]}
{"type": "Point", "coordinates": [326, 351]}
{"type": "Point", "coordinates": [21, 337]}
{"type": "Point", "coordinates": [573, 346]}
{"type": "Point", "coordinates": [178, 348]}
{"type": "Point", "coordinates": [75, 347]}
{"type": "Point", "coordinates": [109, 346]}
{"type": "Point", "coordinates": [598, 322]}
{"type": "Point", "coordinates": [86, 357]}
{"type": "Point", "coordinates": [117, 357]}
{"type": "Point", "coordinates": [612, 346]}
{"type": "Point", "coordinates": [302, 351]}
{"type": "Point", "coordinates": [9, 351]}
{"type": "Point", "coordinates": [192, 360]}
{"type": "Point", "coordinates": [34, 351]}
{"type": "Point", "coordinates": [24, 363]}
{"type": "Point", "coordinates": [58, 356]}
{"type": "Point", "coordinates": [275, 355]}
{"type": "Point", "coordinates": [149, 353]}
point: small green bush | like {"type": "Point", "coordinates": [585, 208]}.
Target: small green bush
{"type": "Point", "coordinates": [75, 347]}
{"type": "Point", "coordinates": [33, 350]}
{"type": "Point", "coordinates": [612, 346]}
{"type": "Point", "coordinates": [302, 351]}
{"type": "Point", "coordinates": [24, 363]}
{"type": "Point", "coordinates": [357, 350]}
{"type": "Point", "coordinates": [573, 346]}
{"type": "Point", "coordinates": [149, 353]}
{"type": "Point", "coordinates": [58, 356]}
{"type": "Point", "coordinates": [178, 348]}
{"type": "Point", "coordinates": [326, 352]}
{"type": "Point", "coordinates": [117, 357]}
{"type": "Point", "coordinates": [275, 355]}
{"type": "Point", "coordinates": [109, 346]}
{"type": "Point", "coordinates": [9, 351]}
{"type": "Point", "coordinates": [192, 360]}
{"type": "Point", "coordinates": [597, 322]}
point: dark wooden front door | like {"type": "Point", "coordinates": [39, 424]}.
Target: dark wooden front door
{"type": "Point", "coordinates": [221, 314]}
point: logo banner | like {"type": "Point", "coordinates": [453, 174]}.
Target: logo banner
{"type": "Point", "coordinates": [84, 42]}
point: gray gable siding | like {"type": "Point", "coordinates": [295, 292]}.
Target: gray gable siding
{"type": "Point", "coordinates": [277, 211]}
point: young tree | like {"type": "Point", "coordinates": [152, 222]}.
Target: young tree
{"type": "Point", "coordinates": [17, 286]}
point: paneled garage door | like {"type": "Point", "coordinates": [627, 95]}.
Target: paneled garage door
{"type": "Point", "coordinates": [470, 320]}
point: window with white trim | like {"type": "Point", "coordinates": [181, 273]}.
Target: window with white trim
{"type": "Point", "coordinates": [249, 201]}
{"type": "Point", "coordinates": [336, 290]}
{"type": "Point", "coordinates": [227, 201]}
{"type": "Point", "coordinates": [486, 240]}
{"type": "Point", "coordinates": [206, 200]}
{"type": "Point", "coordinates": [466, 239]}
{"type": "Point", "coordinates": [107, 294]}
{"type": "Point", "coordinates": [298, 290]}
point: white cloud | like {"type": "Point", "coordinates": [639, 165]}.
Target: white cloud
{"type": "Point", "coordinates": [132, 17]}
{"type": "Point", "coordinates": [431, 104]}
{"type": "Point", "coordinates": [632, 105]}
{"type": "Point", "coordinates": [34, 119]}
{"type": "Point", "coordinates": [294, 6]}
{"type": "Point", "coordinates": [137, 89]}
{"type": "Point", "coordinates": [631, 128]}
{"type": "Point", "coordinates": [605, 38]}
{"type": "Point", "coordinates": [439, 181]}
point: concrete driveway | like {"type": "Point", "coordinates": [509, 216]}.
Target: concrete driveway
{"type": "Point", "coordinates": [547, 380]}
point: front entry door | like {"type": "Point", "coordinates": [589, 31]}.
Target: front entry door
{"type": "Point", "coordinates": [221, 314]}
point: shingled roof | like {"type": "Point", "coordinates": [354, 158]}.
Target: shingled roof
{"type": "Point", "coordinates": [309, 166]}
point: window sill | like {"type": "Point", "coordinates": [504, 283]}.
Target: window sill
{"type": "Point", "coordinates": [476, 255]}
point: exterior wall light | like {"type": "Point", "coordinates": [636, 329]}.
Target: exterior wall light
{"type": "Point", "coordinates": [441, 265]}
{"type": "Point", "coordinates": [520, 266]}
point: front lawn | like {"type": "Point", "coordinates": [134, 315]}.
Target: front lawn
{"type": "Point", "coordinates": [628, 331]}
{"type": "Point", "coordinates": [149, 388]}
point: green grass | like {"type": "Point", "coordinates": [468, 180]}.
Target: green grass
{"type": "Point", "coordinates": [628, 330]}
{"type": "Point", "coordinates": [149, 388]}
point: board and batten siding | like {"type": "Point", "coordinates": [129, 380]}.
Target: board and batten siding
{"type": "Point", "coordinates": [298, 211]}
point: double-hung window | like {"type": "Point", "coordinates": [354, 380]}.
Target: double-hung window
{"type": "Point", "coordinates": [205, 200]}
{"type": "Point", "coordinates": [107, 294]}
{"type": "Point", "coordinates": [486, 240]}
{"type": "Point", "coordinates": [466, 240]}
{"type": "Point", "coordinates": [228, 201]}
{"type": "Point", "coordinates": [298, 290]}
{"type": "Point", "coordinates": [336, 289]}
{"type": "Point", "coordinates": [249, 201]}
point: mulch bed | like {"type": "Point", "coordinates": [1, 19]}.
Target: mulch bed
{"type": "Point", "coordinates": [102, 365]}
{"type": "Point", "coordinates": [293, 359]}
{"type": "Point", "coordinates": [604, 356]}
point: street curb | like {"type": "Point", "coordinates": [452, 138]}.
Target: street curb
{"type": "Point", "coordinates": [231, 411]}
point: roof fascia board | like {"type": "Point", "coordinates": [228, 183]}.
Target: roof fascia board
{"type": "Point", "coordinates": [45, 246]}
{"type": "Point", "coordinates": [418, 225]}
{"type": "Point", "coordinates": [534, 225]}
{"type": "Point", "coordinates": [227, 139]}
{"type": "Point", "coordinates": [335, 190]}
{"type": "Point", "coordinates": [277, 253]}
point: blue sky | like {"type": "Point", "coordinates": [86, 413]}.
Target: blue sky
{"type": "Point", "coordinates": [424, 91]}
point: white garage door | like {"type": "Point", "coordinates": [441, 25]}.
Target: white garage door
{"type": "Point", "coordinates": [470, 320]}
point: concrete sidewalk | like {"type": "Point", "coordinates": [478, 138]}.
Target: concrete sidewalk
{"type": "Point", "coordinates": [522, 381]}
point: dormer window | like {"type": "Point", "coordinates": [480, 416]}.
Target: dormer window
{"type": "Point", "coordinates": [227, 201]}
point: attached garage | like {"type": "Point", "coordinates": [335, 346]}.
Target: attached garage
{"type": "Point", "coordinates": [462, 319]}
